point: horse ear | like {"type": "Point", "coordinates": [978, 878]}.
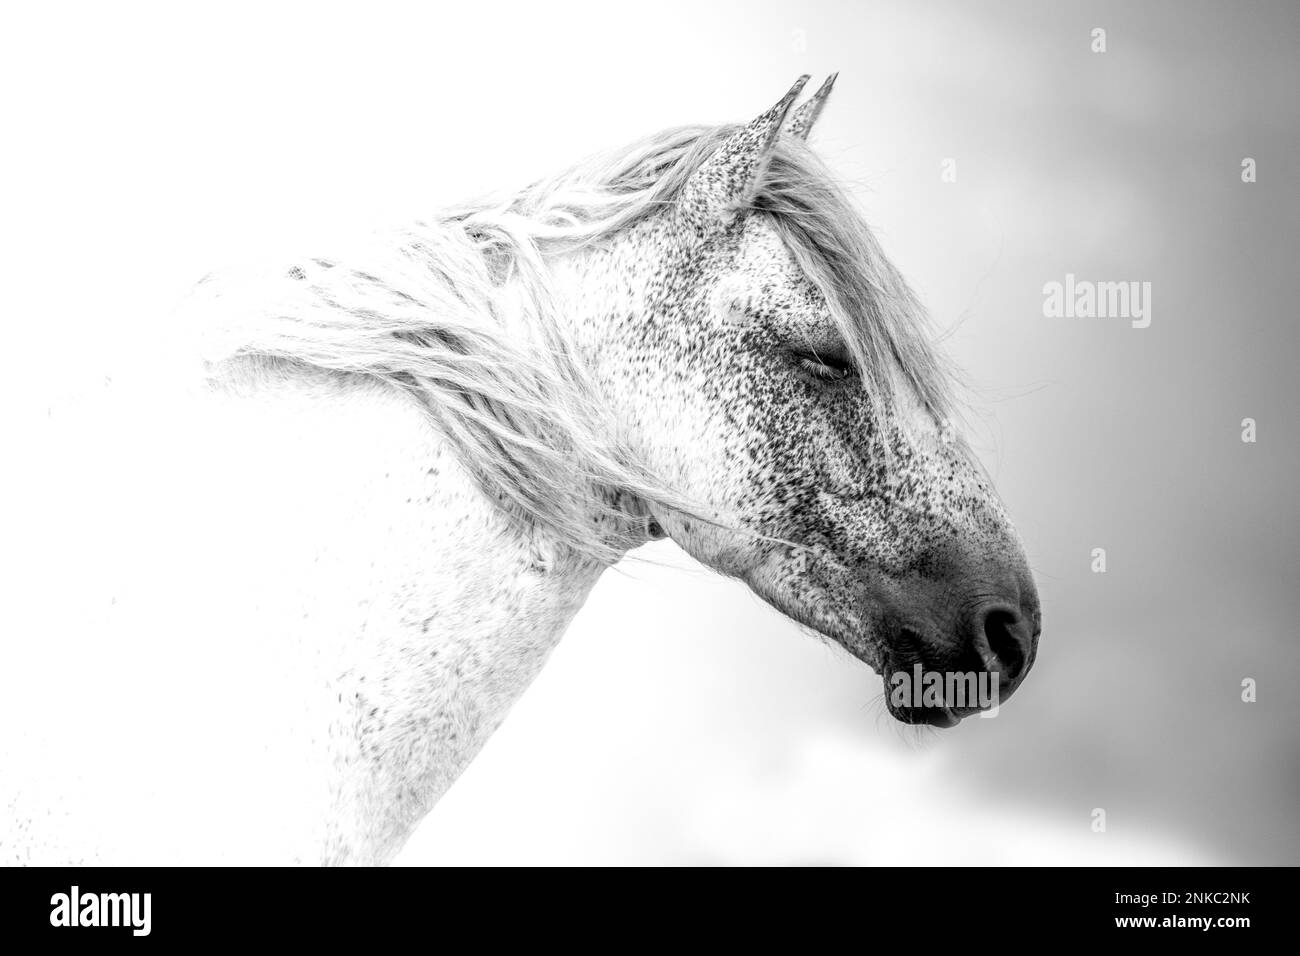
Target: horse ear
{"type": "Point", "coordinates": [724, 182]}
{"type": "Point", "coordinates": [802, 120]}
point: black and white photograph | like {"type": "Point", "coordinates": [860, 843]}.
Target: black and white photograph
{"type": "Point", "coordinates": [714, 434]}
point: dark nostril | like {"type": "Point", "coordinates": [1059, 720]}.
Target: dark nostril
{"type": "Point", "coordinates": [1008, 640]}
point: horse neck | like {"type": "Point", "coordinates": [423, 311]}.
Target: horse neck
{"type": "Point", "coordinates": [414, 637]}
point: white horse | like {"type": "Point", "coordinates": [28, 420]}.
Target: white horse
{"type": "Point", "coordinates": [284, 596]}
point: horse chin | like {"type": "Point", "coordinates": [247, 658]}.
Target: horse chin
{"type": "Point", "coordinates": [812, 610]}
{"type": "Point", "coordinates": [863, 644]}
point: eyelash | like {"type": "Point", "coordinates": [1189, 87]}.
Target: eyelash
{"type": "Point", "coordinates": [828, 370]}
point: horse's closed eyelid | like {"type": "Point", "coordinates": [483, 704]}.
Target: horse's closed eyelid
{"type": "Point", "coordinates": [827, 364]}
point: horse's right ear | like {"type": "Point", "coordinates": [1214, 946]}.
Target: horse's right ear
{"type": "Point", "coordinates": [724, 183]}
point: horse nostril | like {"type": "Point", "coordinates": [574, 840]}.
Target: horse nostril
{"type": "Point", "coordinates": [1009, 642]}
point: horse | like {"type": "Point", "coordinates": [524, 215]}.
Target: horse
{"type": "Point", "coordinates": [342, 537]}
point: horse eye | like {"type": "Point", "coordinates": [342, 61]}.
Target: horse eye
{"type": "Point", "coordinates": [828, 368]}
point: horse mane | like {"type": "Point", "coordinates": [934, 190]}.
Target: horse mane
{"type": "Point", "coordinates": [460, 313]}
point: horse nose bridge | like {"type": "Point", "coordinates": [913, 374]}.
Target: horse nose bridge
{"type": "Point", "coordinates": [972, 572]}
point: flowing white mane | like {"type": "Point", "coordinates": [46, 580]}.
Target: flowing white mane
{"type": "Point", "coordinates": [459, 312]}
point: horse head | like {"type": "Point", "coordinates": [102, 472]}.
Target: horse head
{"type": "Point", "coordinates": [766, 360]}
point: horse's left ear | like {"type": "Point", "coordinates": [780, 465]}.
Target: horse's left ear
{"type": "Point", "coordinates": [725, 181]}
{"type": "Point", "coordinates": [802, 120]}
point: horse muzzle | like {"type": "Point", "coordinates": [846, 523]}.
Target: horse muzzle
{"type": "Point", "coordinates": [937, 678]}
